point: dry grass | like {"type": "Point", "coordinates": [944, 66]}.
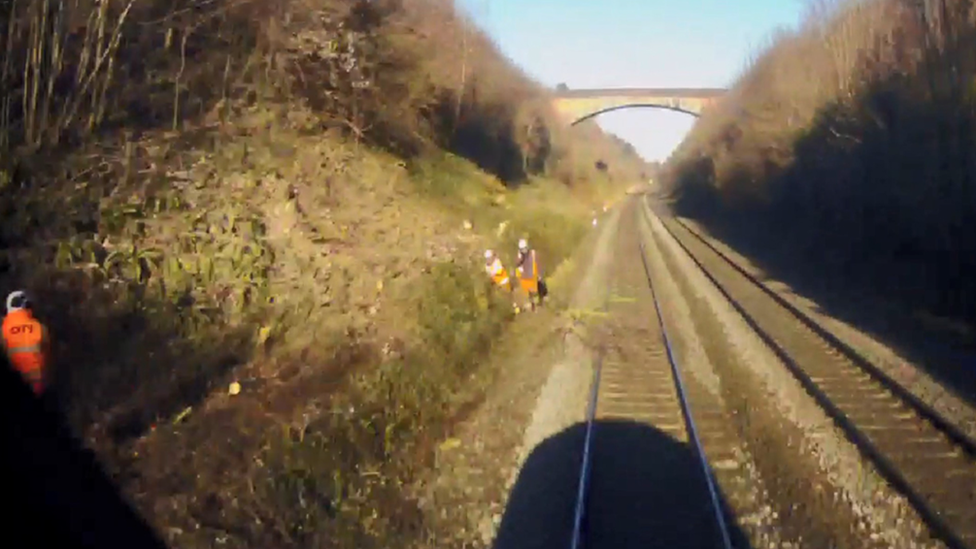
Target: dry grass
{"type": "Point", "coordinates": [274, 193]}
{"type": "Point", "coordinates": [852, 139]}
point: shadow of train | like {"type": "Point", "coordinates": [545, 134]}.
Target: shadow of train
{"type": "Point", "coordinates": [646, 491]}
{"type": "Point", "coordinates": [646, 488]}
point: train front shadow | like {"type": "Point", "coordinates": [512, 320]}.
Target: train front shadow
{"type": "Point", "coordinates": [646, 490]}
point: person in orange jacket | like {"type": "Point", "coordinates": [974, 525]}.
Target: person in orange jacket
{"type": "Point", "coordinates": [499, 275]}
{"type": "Point", "coordinates": [528, 273]}
{"type": "Point", "coordinates": [25, 340]}
{"type": "Point", "coordinates": [495, 270]}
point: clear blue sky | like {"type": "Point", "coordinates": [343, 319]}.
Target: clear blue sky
{"type": "Point", "coordinates": [634, 43]}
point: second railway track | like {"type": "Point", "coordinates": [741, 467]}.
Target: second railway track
{"type": "Point", "coordinates": [923, 456]}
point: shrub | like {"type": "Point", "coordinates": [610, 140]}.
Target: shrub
{"type": "Point", "coordinates": [853, 136]}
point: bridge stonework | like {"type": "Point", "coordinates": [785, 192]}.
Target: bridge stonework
{"type": "Point", "coordinates": [575, 106]}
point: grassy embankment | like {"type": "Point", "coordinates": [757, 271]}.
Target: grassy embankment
{"type": "Point", "coordinates": [274, 193]}
{"type": "Point", "coordinates": [852, 141]}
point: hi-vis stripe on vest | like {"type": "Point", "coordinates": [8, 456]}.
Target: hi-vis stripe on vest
{"type": "Point", "coordinates": [24, 349]}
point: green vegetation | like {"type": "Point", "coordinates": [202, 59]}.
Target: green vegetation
{"type": "Point", "coordinates": [852, 141]}
{"type": "Point", "coordinates": [275, 194]}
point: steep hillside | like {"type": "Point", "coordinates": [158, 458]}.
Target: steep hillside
{"type": "Point", "coordinates": [852, 141]}
{"type": "Point", "coordinates": [290, 196]}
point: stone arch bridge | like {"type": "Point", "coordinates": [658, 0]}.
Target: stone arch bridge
{"type": "Point", "coordinates": [576, 106]}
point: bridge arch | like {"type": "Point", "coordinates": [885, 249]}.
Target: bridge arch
{"type": "Point", "coordinates": [594, 114]}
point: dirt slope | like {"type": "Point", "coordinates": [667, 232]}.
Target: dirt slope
{"type": "Point", "coordinates": [291, 197]}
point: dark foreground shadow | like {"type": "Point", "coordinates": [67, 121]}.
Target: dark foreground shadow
{"type": "Point", "coordinates": [646, 490]}
{"type": "Point", "coordinates": [56, 493]}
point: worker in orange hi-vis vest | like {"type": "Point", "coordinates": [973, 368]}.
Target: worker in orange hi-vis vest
{"type": "Point", "coordinates": [528, 272]}
{"type": "Point", "coordinates": [498, 274]}
{"type": "Point", "coordinates": [495, 269]}
{"type": "Point", "coordinates": [26, 341]}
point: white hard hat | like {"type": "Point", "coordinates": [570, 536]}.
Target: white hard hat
{"type": "Point", "coordinates": [523, 244]}
{"type": "Point", "coordinates": [17, 300]}
{"type": "Point", "coordinates": [488, 254]}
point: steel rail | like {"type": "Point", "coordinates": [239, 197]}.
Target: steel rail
{"type": "Point", "coordinates": [686, 412]}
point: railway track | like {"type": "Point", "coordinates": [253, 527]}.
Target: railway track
{"type": "Point", "coordinates": [921, 454]}
{"type": "Point", "coordinates": [638, 380]}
